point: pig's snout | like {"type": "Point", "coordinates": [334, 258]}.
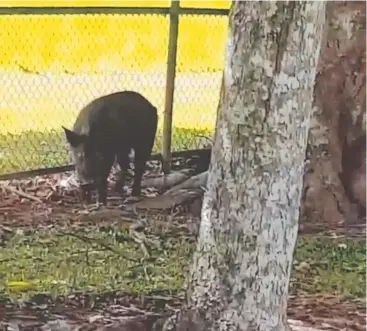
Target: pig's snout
{"type": "Point", "coordinates": [85, 190]}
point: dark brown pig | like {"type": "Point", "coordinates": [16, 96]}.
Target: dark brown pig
{"type": "Point", "coordinates": [106, 130]}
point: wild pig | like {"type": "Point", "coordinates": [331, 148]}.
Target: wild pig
{"type": "Point", "coordinates": [106, 130]}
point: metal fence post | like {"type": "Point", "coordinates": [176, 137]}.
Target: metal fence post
{"type": "Point", "coordinates": [170, 86]}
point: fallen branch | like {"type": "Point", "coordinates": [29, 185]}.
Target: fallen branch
{"type": "Point", "coordinates": [167, 181]}
{"type": "Point", "coordinates": [184, 192]}
{"type": "Point", "coordinates": [178, 197]}
{"type": "Point", "coordinates": [192, 183]}
{"type": "Point", "coordinates": [21, 193]}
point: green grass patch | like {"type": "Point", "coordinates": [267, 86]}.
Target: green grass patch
{"type": "Point", "coordinates": [108, 260]}
{"type": "Point", "coordinates": [331, 266]}
{"type": "Point", "coordinates": [100, 259]}
{"type": "Point", "coordinates": [34, 150]}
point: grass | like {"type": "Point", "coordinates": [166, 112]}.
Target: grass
{"type": "Point", "coordinates": [52, 65]}
{"type": "Point", "coordinates": [325, 265]}
{"type": "Point", "coordinates": [61, 264]}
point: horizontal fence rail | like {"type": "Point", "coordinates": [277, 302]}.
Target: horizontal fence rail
{"type": "Point", "coordinates": [54, 60]}
{"type": "Point", "coordinates": [108, 10]}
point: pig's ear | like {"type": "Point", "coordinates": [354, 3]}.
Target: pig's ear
{"type": "Point", "coordinates": [73, 138]}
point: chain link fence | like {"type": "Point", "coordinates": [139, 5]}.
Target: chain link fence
{"type": "Point", "coordinates": [200, 60]}
{"type": "Point", "coordinates": [53, 64]}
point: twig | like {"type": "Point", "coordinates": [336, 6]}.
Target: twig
{"type": "Point", "coordinates": [140, 239]}
{"type": "Point", "coordinates": [99, 242]}
{"type": "Point", "coordinates": [21, 193]}
{"type": "Point", "coordinates": [105, 213]}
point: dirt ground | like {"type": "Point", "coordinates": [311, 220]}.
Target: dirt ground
{"type": "Point", "coordinates": [52, 200]}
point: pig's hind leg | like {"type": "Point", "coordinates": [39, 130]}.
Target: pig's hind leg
{"type": "Point", "coordinates": [142, 155]}
{"type": "Point", "coordinates": [123, 161]}
{"type": "Point", "coordinates": [102, 179]}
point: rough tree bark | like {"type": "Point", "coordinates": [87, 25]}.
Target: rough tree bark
{"type": "Point", "coordinates": [338, 122]}
{"type": "Point", "coordinates": [241, 269]}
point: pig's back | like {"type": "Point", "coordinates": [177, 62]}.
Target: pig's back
{"type": "Point", "coordinates": [121, 115]}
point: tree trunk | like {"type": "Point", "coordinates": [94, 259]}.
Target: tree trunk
{"type": "Point", "coordinates": [241, 269]}
{"type": "Point", "coordinates": [333, 176]}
